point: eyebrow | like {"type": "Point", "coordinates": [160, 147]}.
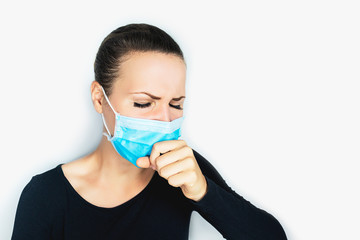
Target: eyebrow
{"type": "Point", "coordinates": [158, 98]}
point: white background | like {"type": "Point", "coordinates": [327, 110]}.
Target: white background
{"type": "Point", "coordinates": [272, 99]}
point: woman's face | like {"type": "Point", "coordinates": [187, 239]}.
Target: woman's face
{"type": "Point", "coordinates": [150, 85]}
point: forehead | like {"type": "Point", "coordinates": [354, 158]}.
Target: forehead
{"type": "Point", "coordinates": [157, 73]}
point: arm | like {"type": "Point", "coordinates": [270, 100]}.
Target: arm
{"type": "Point", "coordinates": [232, 215]}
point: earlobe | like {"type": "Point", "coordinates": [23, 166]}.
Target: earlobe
{"type": "Point", "coordinates": [97, 96]}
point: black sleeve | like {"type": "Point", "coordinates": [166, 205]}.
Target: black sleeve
{"type": "Point", "coordinates": [232, 215]}
{"type": "Point", "coordinates": [32, 215]}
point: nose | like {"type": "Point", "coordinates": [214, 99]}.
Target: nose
{"type": "Point", "coordinates": [162, 113]}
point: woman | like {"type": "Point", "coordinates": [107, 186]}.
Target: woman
{"type": "Point", "coordinates": [142, 182]}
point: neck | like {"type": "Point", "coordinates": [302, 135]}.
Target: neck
{"type": "Point", "coordinates": [108, 163]}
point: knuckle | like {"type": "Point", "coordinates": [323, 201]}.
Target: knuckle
{"type": "Point", "coordinates": [188, 150]}
{"type": "Point", "coordinates": [193, 176]}
{"type": "Point", "coordinates": [165, 174]}
{"type": "Point", "coordinates": [158, 161]}
{"type": "Point", "coordinates": [156, 146]}
{"type": "Point", "coordinates": [172, 181]}
{"type": "Point", "coordinates": [161, 172]}
{"type": "Point", "coordinates": [189, 162]}
{"type": "Point", "coordinates": [158, 164]}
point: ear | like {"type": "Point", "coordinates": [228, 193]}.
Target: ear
{"type": "Point", "coordinates": [97, 96]}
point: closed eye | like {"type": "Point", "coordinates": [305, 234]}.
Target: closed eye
{"type": "Point", "coordinates": [139, 105]}
{"type": "Point", "coordinates": [145, 105]}
{"type": "Point", "coordinates": [176, 106]}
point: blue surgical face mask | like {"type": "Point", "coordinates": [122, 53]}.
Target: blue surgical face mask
{"type": "Point", "coordinates": [134, 137]}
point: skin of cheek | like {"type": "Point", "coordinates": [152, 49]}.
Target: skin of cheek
{"type": "Point", "coordinates": [109, 118]}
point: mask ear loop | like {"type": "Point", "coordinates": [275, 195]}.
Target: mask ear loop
{"type": "Point", "coordinates": [105, 134]}
{"type": "Point", "coordinates": [107, 99]}
{"type": "Point", "coordinates": [102, 115]}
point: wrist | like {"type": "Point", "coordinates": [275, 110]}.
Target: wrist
{"type": "Point", "coordinates": [202, 193]}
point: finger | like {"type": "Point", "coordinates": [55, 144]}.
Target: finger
{"type": "Point", "coordinates": [182, 178]}
{"type": "Point", "coordinates": [164, 147]}
{"type": "Point", "coordinates": [173, 156]}
{"type": "Point", "coordinates": [143, 162]}
{"type": "Point", "coordinates": [176, 167]}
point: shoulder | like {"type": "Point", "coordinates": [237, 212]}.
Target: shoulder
{"type": "Point", "coordinates": [39, 206]}
{"type": "Point", "coordinates": [47, 180]}
{"type": "Point", "coordinates": [44, 188]}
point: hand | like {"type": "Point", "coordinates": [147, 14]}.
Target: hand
{"type": "Point", "coordinates": [174, 160]}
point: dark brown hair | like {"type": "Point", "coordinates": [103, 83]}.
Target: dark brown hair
{"type": "Point", "coordinates": [125, 40]}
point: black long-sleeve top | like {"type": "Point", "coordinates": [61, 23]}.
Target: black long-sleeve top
{"type": "Point", "coordinates": [50, 208]}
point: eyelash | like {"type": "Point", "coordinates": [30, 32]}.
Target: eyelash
{"type": "Point", "coordinates": [176, 106]}
{"type": "Point", "coordinates": [145, 105]}
{"type": "Point", "coordinates": [139, 105]}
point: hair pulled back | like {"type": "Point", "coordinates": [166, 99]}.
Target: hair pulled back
{"type": "Point", "coordinates": [125, 40]}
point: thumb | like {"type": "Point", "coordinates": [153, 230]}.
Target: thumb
{"type": "Point", "coordinates": [143, 162]}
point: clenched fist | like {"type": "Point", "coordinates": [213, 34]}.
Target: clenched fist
{"type": "Point", "coordinates": [174, 160]}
